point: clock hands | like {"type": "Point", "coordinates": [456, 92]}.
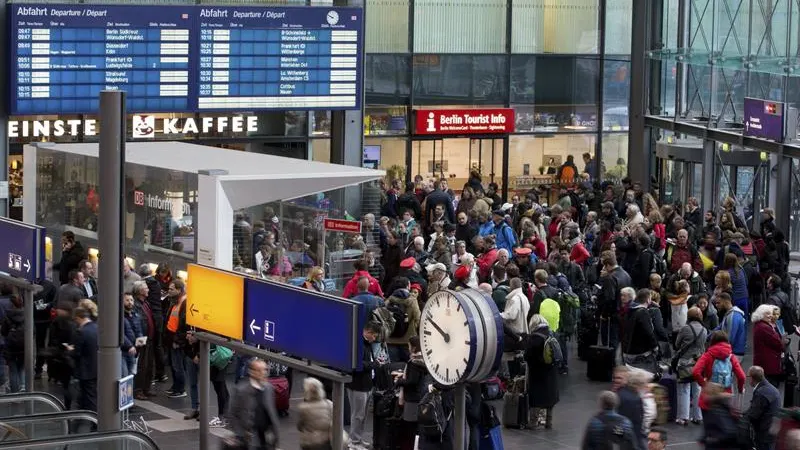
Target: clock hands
{"type": "Point", "coordinates": [439, 329]}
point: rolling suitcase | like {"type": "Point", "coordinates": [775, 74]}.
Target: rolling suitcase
{"type": "Point", "coordinates": [515, 403]}
{"type": "Point", "coordinates": [600, 361]}
{"type": "Point", "coordinates": [282, 394]}
{"type": "Point", "coordinates": [587, 336]}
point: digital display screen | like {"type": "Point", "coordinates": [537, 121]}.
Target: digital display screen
{"type": "Point", "coordinates": [184, 58]}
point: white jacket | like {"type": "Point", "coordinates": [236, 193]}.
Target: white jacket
{"type": "Point", "coordinates": [515, 314]}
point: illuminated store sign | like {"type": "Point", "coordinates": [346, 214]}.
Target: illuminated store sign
{"type": "Point", "coordinates": [160, 203]}
{"type": "Point", "coordinates": [144, 126]}
{"type": "Point", "coordinates": [464, 121]}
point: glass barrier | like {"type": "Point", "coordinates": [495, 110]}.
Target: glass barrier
{"type": "Point", "coordinates": [125, 440]}
{"type": "Point", "coordinates": [13, 405]}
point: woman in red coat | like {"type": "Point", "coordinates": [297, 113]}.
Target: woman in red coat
{"type": "Point", "coordinates": [767, 344]}
{"type": "Point", "coordinates": [719, 349]}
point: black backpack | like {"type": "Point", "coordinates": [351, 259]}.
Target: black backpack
{"type": "Point", "coordinates": [400, 320]}
{"type": "Point", "coordinates": [15, 341]}
{"type": "Point", "coordinates": [657, 264]}
{"type": "Point", "coordinates": [431, 417]}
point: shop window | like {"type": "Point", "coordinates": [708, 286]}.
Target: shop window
{"type": "Point", "coordinates": [387, 154]}
{"type": "Point", "coordinates": [614, 166]}
{"type": "Point", "coordinates": [321, 123]}
{"type": "Point", "coordinates": [554, 26]}
{"type": "Point", "coordinates": [466, 26]}
{"type": "Point", "coordinates": [387, 26]}
{"type": "Point", "coordinates": [534, 160]}
{"type": "Point", "coordinates": [460, 79]}
{"type": "Point", "coordinates": [385, 120]}
{"type": "Point", "coordinates": [387, 79]}
{"type": "Point", "coordinates": [320, 150]}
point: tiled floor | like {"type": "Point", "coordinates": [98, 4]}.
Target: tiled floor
{"type": "Point", "coordinates": [164, 417]}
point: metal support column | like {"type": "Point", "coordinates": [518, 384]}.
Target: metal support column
{"type": "Point", "coordinates": [204, 395]}
{"type": "Point", "coordinates": [707, 184]}
{"type": "Point", "coordinates": [639, 138]}
{"type": "Point", "coordinates": [30, 341]}
{"type": "Point", "coordinates": [682, 68]}
{"type": "Point", "coordinates": [460, 418]}
{"type": "Point", "coordinates": [110, 241]}
{"type": "Point", "coordinates": [337, 424]}
{"type": "Point", "coordinates": [783, 205]}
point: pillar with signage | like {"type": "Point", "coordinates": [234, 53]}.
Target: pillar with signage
{"type": "Point", "coordinates": [481, 124]}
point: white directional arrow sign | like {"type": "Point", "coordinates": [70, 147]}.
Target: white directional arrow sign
{"type": "Point", "coordinates": [254, 327]}
{"type": "Point", "coordinates": [27, 266]}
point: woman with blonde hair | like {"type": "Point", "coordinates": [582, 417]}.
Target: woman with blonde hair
{"type": "Point", "coordinates": [315, 279]}
{"type": "Point", "coordinates": [650, 204]}
{"type": "Point", "coordinates": [314, 417]}
{"type": "Point", "coordinates": [90, 306]}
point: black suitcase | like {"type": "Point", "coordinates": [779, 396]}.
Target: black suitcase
{"type": "Point", "coordinates": [587, 336]}
{"type": "Point", "coordinates": [387, 433]}
{"type": "Point", "coordinates": [515, 403]}
{"type": "Point", "coordinates": [600, 361]}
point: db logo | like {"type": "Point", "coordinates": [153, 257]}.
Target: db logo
{"type": "Point", "coordinates": [138, 198]}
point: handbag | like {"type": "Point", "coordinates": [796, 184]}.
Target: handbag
{"type": "Point", "coordinates": [683, 368]}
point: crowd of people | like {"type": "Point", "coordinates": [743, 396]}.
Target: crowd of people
{"type": "Point", "coordinates": [672, 289]}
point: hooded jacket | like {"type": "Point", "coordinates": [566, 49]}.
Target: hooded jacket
{"type": "Point", "coordinates": [409, 303]}
{"type": "Point", "coordinates": [314, 416]}
{"type": "Point", "coordinates": [515, 313]}
{"type": "Point", "coordinates": [351, 288]}
{"type": "Point", "coordinates": [734, 324]}
{"type": "Point", "coordinates": [702, 370]}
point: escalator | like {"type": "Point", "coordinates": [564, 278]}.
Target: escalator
{"type": "Point", "coordinates": [38, 420]}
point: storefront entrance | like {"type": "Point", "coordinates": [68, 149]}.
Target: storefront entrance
{"type": "Point", "coordinates": [739, 173]}
{"type": "Point", "coordinates": [454, 158]}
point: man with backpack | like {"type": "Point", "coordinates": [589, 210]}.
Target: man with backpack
{"type": "Point", "coordinates": [607, 429]}
{"type": "Point", "coordinates": [403, 309]}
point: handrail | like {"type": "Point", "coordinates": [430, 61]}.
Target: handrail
{"type": "Point", "coordinates": [87, 438]}
{"type": "Point", "coordinates": [42, 397]}
{"type": "Point", "coordinates": [89, 416]}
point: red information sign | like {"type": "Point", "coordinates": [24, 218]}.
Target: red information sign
{"type": "Point", "coordinates": [345, 226]}
{"type": "Point", "coordinates": [464, 121]}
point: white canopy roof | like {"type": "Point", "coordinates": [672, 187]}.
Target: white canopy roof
{"type": "Point", "coordinates": [251, 179]}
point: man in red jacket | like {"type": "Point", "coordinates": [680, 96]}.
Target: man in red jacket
{"type": "Point", "coordinates": [351, 288]}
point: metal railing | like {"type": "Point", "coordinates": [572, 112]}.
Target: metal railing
{"type": "Point", "coordinates": [32, 397]}
{"type": "Point", "coordinates": [28, 421]}
{"type": "Point", "coordinates": [80, 440]}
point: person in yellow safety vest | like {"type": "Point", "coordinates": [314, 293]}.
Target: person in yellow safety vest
{"type": "Point", "coordinates": [175, 339]}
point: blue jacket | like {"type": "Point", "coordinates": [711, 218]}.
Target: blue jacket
{"type": "Point", "coordinates": [734, 324]}
{"type": "Point", "coordinates": [85, 353]}
{"type": "Point", "coordinates": [486, 229]}
{"type": "Point", "coordinates": [504, 237]}
{"type": "Point", "coordinates": [596, 435]}
{"type": "Point", "coordinates": [128, 338]}
{"type": "Point", "coordinates": [370, 302]}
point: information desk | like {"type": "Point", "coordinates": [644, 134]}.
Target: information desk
{"type": "Point", "coordinates": [184, 58]}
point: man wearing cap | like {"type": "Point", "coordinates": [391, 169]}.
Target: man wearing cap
{"type": "Point", "coordinates": [504, 235]}
{"type": "Point", "coordinates": [460, 279]}
{"type": "Point", "coordinates": [525, 261]}
{"type": "Point", "coordinates": [437, 278]}
{"type": "Point", "coordinates": [409, 268]}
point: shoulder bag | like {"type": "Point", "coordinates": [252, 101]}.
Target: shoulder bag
{"type": "Point", "coordinates": [683, 368]}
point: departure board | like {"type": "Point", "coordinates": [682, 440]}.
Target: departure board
{"type": "Point", "coordinates": [64, 55]}
{"type": "Point", "coordinates": [184, 58]}
{"type": "Point", "coordinates": [264, 58]}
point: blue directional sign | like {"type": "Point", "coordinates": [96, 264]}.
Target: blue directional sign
{"type": "Point", "coordinates": [23, 246]}
{"type": "Point", "coordinates": [304, 324]}
{"type": "Point", "coordinates": [184, 58]}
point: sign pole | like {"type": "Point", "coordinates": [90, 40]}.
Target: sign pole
{"type": "Point", "coordinates": [111, 221]}
{"type": "Point", "coordinates": [204, 396]}
{"type": "Point", "coordinates": [338, 415]}
{"type": "Point", "coordinates": [460, 417]}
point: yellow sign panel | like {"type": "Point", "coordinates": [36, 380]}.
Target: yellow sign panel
{"type": "Point", "coordinates": [215, 301]}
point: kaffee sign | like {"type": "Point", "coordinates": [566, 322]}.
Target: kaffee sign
{"type": "Point", "coordinates": [464, 121]}
{"type": "Point", "coordinates": [142, 126]}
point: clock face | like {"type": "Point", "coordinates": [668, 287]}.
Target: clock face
{"type": "Point", "coordinates": [332, 18]}
{"type": "Point", "coordinates": [446, 338]}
